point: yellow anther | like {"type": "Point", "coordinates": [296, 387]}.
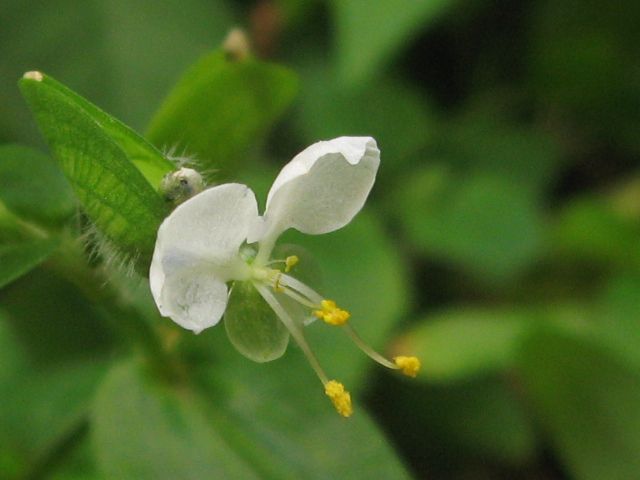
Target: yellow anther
{"type": "Point", "coordinates": [340, 398]}
{"type": "Point", "coordinates": [409, 365]}
{"type": "Point", "coordinates": [331, 313]}
{"type": "Point", "coordinates": [290, 262]}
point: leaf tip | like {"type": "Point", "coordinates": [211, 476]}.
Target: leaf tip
{"type": "Point", "coordinates": [33, 75]}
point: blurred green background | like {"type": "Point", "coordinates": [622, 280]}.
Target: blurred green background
{"type": "Point", "coordinates": [501, 244]}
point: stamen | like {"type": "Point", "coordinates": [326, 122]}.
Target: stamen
{"type": "Point", "coordinates": [340, 398]}
{"type": "Point", "coordinates": [276, 284]}
{"type": "Point", "coordinates": [274, 262]}
{"type": "Point", "coordinates": [301, 288]}
{"type": "Point", "coordinates": [409, 365]}
{"type": "Point", "coordinates": [290, 262]}
{"type": "Point", "coordinates": [296, 333]}
{"type": "Point", "coordinates": [297, 297]}
{"type": "Point", "coordinates": [366, 348]}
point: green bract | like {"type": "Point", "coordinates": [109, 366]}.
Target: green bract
{"type": "Point", "coordinates": [113, 171]}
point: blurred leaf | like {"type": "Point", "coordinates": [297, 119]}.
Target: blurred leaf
{"type": "Point", "coordinates": [459, 344]}
{"type": "Point", "coordinates": [18, 259]}
{"type": "Point", "coordinates": [382, 110]}
{"type": "Point", "coordinates": [251, 430]}
{"type": "Point", "coordinates": [148, 48]}
{"type": "Point", "coordinates": [97, 154]}
{"type": "Point", "coordinates": [486, 224]}
{"type": "Point", "coordinates": [77, 31]}
{"type": "Point", "coordinates": [52, 320]}
{"type": "Point", "coordinates": [43, 408]}
{"type": "Point", "coordinates": [123, 54]}
{"type": "Point", "coordinates": [252, 327]}
{"type": "Point", "coordinates": [589, 229]}
{"type": "Point", "coordinates": [583, 62]}
{"type": "Point", "coordinates": [364, 274]}
{"type": "Point", "coordinates": [285, 411]}
{"type": "Point", "coordinates": [145, 430]}
{"type": "Point", "coordinates": [33, 187]}
{"type": "Point", "coordinates": [12, 363]}
{"type": "Point", "coordinates": [368, 33]}
{"type": "Point", "coordinates": [483, 418]}
{"type": "Point", "coordinates": [221, 107]}
{"type": "Point", "coordinates": [588, 403]}
{"type": "Point", "coordinates": [484, 141]}
{"type": "Point", "coordinates": [78, 465]}
{"type": "Point", "coordinates": [619, 317]}
{"type": "Point", "coordinates": [41, 405]}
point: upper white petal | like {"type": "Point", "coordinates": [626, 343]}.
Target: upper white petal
{"type": "Point", "coordinates": [196, 252]}
{"type": "Point", "coordinates": [323, 187]}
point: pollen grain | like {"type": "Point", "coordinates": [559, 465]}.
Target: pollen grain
{"type": "Point", "coordinates": [331, 313]}
{"type": "Point", "coordinates": [340, 397]}
{"type": "Point", "coordinates": [410, 366]}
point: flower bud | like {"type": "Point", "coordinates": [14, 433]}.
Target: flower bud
{"type": "Point", "coordinates": [178, 186]}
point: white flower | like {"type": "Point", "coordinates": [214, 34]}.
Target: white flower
{"type": "Point", "coordinates": [202, 246]}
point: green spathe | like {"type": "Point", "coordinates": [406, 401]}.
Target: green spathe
{"type": "Point", "coordinates": [113, 171]}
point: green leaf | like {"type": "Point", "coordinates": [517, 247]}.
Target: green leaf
{"type": "Point", "coordinates": [485, 140]}
{"type": "Point", "coordinates": [588, 403]}
{"type": "Point", "coordinates": [53, 95]}
{"type": "Point", "coordinates": [221, 107]}
{"type": "Point", "coordinates": [368, 33]}
{"type": "Point", "coordinates": [485, 224]}
{"type": "Point", "coordinates": [482, 418]}
{"type": "Point", "coordinates": [42, 404]}
{"type": "Point", "coordinates": [241, 423]}
{"type": "Point", "coordinates": [460, 344]}
{"type": "Point", "coordinates": [252, 327]}
{"type": "Point", "coordinates": [618, 316]}
{"type": "Point", "coordinates": [77, 464]}
{"type": "Point", "coordinates": [145, 430]}
{"type": "Point", "coordinates": [42, 408]}
{"type": "Point", "coordinates": [590, 230]}
{"type": "Point", "coordinates": [285, 412]}
{"type": "Point", "coordinates": [52, 319]}
{"type": "Point", "coordinates": [18, 259]}
{"type": "Point", "coordinates": [580, 64]}
{"type": "Point", "coordinates": [151, 163]}
{"type": "Point", "coordinates": [99, 156]}
{"type": "Point", "coordinates": [32, 187]}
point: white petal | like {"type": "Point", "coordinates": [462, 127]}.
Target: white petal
{"type": "Point", "coordinates": [212, 225]}
{"type": "Point", "coordinates": [323, 187]}
{"type": "Point", "coordinates": [194, 300]}
{"type": "Point", "coordinates": [196, 252]}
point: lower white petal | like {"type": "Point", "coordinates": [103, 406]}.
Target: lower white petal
{"type": "Point", "coordinates": [193, 300]}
